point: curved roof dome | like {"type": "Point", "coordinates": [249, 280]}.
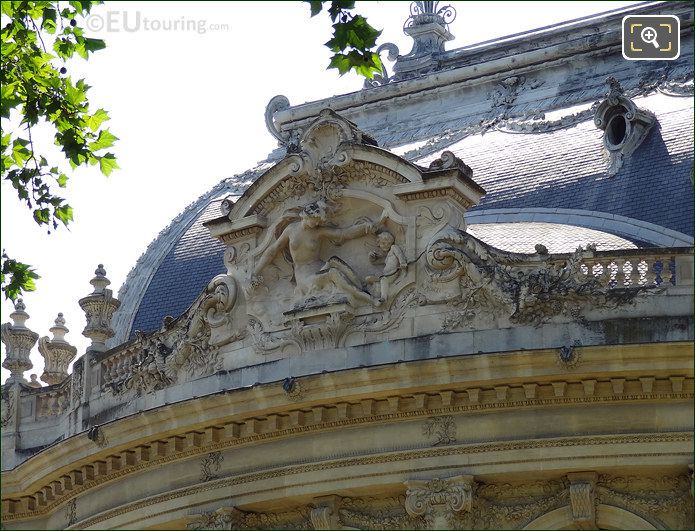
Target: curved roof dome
{"type": "Point", "coordinates": [540, 157]}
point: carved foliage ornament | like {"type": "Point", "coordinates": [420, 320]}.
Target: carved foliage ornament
{"type": "Point", "coordinates": [441, 430]}
{"type": "Point", "coordinates": [232, 518]}
{"type": "Point", "coordinates": [210, 465]}
{"type": "Point", "coordinates": [155, 360]}
{"type": "Point", "coordinates": [465, 270]}
{"type": "Point", "coordinates": [437, 499]}
{"type": "Point", "coordinates": [321, 149]}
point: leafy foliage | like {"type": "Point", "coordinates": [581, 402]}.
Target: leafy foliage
{"type": "Point", "coordinates": [353, 39]}
{"type": "Point", "coordinates": [16, 277]}
{"type": "Point", "coordinates": [36, 90]}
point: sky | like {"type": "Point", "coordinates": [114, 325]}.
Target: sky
{"type": "Point", "coordinates": [187, 105]}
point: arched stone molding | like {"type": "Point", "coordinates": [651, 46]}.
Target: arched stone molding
{"type": "Point", "coordinates": [607, 517]}
{"type": "Point", "coordinates": [619, 225]}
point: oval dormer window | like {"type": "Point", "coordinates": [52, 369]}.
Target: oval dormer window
{"type": "Point", "coordinates": [616, 131]}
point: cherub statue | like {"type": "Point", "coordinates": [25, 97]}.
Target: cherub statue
{"type": "Point", "coordinates": [300, 238]}
{"type": "Point", "coordinates": [391, 255]}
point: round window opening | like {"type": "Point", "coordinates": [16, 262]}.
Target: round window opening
{"type": "Point", "coordinates": [616, 130]}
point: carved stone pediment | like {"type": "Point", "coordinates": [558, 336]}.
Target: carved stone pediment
{"type": "Point", "coordinates": [324, 243]}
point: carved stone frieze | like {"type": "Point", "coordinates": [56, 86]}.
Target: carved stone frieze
{"type": "Point", "coordinates": [664, 501]}
{"type": "Point", "coordinates": [232, 518]}
{"type": "Point", "coordinates": [513, 506]}
{"type": "Point", "coordinates": [223, 518]}
{"type": "Point", "coordinates": [460, 503]}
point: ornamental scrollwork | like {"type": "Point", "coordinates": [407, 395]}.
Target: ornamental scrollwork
{"type": "Point", "coordinates": [7, 405]}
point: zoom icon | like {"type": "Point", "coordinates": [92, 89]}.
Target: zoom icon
{"type": "Point", "coordinates": [651, 37]}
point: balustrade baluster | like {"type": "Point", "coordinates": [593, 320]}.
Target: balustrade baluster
{"type": "Point", "coordinates": [628, 271]}
{"type": "Point", "coordinates": [658, 270]}
{"type": "Point", "coordinates": [672, 270]}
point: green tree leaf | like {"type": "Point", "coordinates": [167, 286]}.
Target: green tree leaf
{"type": "Point", "coordinates": [353, 41]}
{"type": "Point", "coordinates": [16, 277]}
{"type": "Point", "coordinates": [107, 164]}
{"type": "Point", "coordinates": [34, 89]}
{"type": "Point", "coordinates": [103, 141]}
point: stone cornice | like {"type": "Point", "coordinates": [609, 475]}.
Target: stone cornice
{"type": "Point", "coordinates": [489, 61]}
{"type": "Point", "coordinates": [224, 484]}
{"type": "Point", "coordinates": [458, 386]}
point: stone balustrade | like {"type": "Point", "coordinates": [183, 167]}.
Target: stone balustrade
{"type": "Point", "coordinates": [53, 400]}
{"type": "Point", "coordinates": [633, 270]}
{"type": "Point", "coordinates": [116, 368]}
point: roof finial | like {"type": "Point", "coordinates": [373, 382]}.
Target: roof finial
{"type": "Point", "coordinates": [57, 353]}
{"type": "Point", "coordinates": [428, 25]}
{"type": "Point", "coordinates": [99, 307]}
{"type": "Point", "coordinates": [429, 13]}
{"type": "Point", "coordinates": [19, 341]}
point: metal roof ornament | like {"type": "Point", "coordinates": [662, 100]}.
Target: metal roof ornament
{"type": "Point", "coordinates": [428, 25]}
{"type": "Point", "coordinates": [428, 13]}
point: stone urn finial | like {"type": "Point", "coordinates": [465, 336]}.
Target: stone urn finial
{"type": "Point", "coordinates": [99, 307]}
{"type": "Point", "coordinates": [19, 341]}
{"type": "Point", "coordinates": [57, 353]}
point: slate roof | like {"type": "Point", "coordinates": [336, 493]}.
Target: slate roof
{"type": "Point", "coordinates": [182, 275]}
{"type": "Point", "coordinates": [567, 169]}
{"type": "Point", "coordinates": [523, 237]}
